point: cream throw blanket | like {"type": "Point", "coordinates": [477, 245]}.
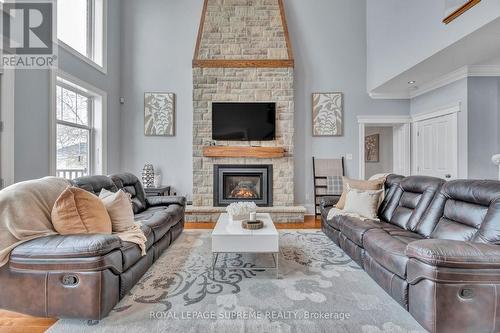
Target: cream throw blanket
{"type": "Point", "coordinates": [337, 212]}
{"type": "Point", "coordinates": [25, 214]}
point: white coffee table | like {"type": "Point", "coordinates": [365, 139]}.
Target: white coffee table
{"type": "Point", "coordinates": [229, 236]}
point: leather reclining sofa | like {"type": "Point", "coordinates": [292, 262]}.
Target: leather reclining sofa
{"type": "Point", "coordinates": [436, 249]}
{"type": "Point", "coordinates": [84, 276]}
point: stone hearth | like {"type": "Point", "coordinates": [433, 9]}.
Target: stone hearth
{"type": "Point", "coordinates": [236, 37]}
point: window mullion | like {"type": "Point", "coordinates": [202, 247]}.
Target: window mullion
{"type": "Point", "coordinates": [90, 28]}
{"type": "Point", "coordinates": [68, 123]}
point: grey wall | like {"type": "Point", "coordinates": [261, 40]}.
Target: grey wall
{"type": "Point", "coordinates": [385, 163]}
{"type": "Point", "coordinates": [404, 33]}
{"type": "Point", "coordinates": [158, 39]}
{"type": "Point", "coordinates": [329, 42]}
{"type": "Point", "coordinates": [32, 104]}
{"type": "Point", "coordinates": [452, 94]}
{"type": "Point", "coordinates": [484, 126]}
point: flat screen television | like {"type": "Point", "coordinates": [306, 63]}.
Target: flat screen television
{"type": "Point", "coordinates": [244, 121]}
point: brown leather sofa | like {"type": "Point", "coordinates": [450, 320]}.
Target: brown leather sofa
{"type": "Point", "coordinates": [84, 276]}
{"type": "Point", "coordinates": [435, 251]}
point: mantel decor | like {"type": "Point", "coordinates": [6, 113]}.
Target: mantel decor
{"type": "Point", "coordinates": [455, 8]}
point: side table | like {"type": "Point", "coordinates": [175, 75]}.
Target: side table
{"type": "Point", "coordinates": [157, 191]}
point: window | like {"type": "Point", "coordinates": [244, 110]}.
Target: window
{"type": "Point", "coordinates": [80, 25]}
{"type": "Point", "coordinates": [79, 130]}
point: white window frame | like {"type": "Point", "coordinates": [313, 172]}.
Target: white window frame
{"type": "Point", "coordinates": [90, 39]}
{"type": "Point", "coordinates": [98, 119]}
{"type": "Point", "coordinates": [89, 127]}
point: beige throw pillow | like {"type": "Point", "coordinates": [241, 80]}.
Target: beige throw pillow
{"type": "Point", "coordinates": [372, 185]}
{"type": "Point", "coordinates": [77, 211]}
{"type": "Point", "coordinates": [119, 208]}
{"type": "Point", "coordinates": [362, 202]}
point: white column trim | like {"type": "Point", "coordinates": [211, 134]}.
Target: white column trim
{"type": "Point", "coordinates": [390, 121]}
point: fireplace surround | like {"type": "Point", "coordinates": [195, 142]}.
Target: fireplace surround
{"type": "Point", "coordinates": [234, 183]}
{"type": "Point", "coordinates": [247, 59]}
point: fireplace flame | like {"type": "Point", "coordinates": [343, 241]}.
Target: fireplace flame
{"type": "Point", "coordinates": [243, 193]}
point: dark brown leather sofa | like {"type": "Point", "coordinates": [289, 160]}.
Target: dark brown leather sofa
{"type": "Point", "coordinates": [435, 251]}
{"type": "Point", "coordinates": [84, 276]}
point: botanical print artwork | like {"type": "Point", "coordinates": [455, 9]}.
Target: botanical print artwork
{"type": "Point", "coordinates": [159, 114]}
{"type": "Point", "coordinates": [327, 114]}
{"type": "Point", "coordinates": [372, 148]}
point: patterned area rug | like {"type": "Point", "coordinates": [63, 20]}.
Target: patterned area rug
{"type": "Point", "coordinates": [320, 290]}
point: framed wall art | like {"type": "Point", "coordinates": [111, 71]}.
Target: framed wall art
{"type": "Point", "coordinates": [372, 148]}
{"type": "Point", "coordinates": [327, 114]}
{"type": "Point", "coordinates": [159, 114]}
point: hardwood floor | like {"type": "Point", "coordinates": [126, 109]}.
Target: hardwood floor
{"type": "Point", "coordinates": [310, 222]}
{"type": "Point", "coordinates": [11, 322]}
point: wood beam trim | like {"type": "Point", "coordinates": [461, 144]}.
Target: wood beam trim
{"type": "Point", "coordinates": [261, 63]}
{"type": "Point", "coordinates": [285, 28]}
{"type": "Point", "coordinates": [460, 11]}
{"type": "Point", "coordinates": [200, 29]}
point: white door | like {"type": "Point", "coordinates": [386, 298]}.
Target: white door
{"type": "Point", "coordinates": [436, 147]}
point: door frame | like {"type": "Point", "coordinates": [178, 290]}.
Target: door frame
{"type": "Point", "coordinates": [401, 147]}
{"type": "Point", "coordinates": [453, 110]}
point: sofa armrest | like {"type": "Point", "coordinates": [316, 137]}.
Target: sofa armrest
{"type": "Point", "coordinates": [72, 253]}
{"type": "Point", "coordinates": [329, 201]}
{"type": "Point", "coordinates": [165, 201]}
{"type": "Point", "coordinates": [455, 254]}
{"type": "Point", "coordinates": [69, 246]}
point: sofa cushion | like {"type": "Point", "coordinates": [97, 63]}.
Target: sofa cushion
{"type": "Point", "coordinates": [467, 210]}
{"type": "Point", "coordinates": [131, 184]}
{"type": "Point", "coordinates": [160, 219]}
{"type": "Point", "coordinates": [409, 203]}
{"type": "Point", "coordinates": [335, 221]}
{"type": "Point", "coordinates": [77, 211]}
{"type": "Point", "coordinates": [364, 203]}
{"type": "Point", "coordinates": [131, 252]}
{"type": "Point", "coordinates": [387, 247]}
{"type": "Point", "coordinates": [95, 184]}
{"type": "Point", "coordinates": [119, 209]}
{"type": "Point", "coordinates": [354, 228]}
{"type": "Point", "coordinates": [373, 185]}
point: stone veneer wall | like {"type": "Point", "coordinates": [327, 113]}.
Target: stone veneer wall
{"type": "Point", "coordinates": [243, 29]}
{"type": "Point", "coordinates": [243, 85]}
{"type": "Point", "coordinates": [235, 30]}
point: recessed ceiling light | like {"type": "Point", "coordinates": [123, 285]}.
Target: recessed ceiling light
{"type": "Point", "coordinates": [412, 82]}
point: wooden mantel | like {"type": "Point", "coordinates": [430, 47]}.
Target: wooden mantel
{"type": "Point", "coordinates": [243, 151]}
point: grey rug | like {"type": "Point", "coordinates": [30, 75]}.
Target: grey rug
{"type": "Point", "coordinates": [320, 290]}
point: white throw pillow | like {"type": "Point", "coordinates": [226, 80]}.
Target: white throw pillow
{"type": "Point", "coordinates": [119, 208]}
{"type": "Point", "coordinates": [363, 202]}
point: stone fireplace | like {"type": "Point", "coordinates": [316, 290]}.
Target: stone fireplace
{"type": "Point", "coordinates": [243, 54]}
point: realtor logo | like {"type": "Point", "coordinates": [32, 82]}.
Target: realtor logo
{"type": "Point", "coordinates": [28, 31]}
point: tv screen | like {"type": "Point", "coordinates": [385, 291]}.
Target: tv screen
{"type": "Point", "coordinates": [243, 121]}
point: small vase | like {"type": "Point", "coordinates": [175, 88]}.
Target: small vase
{"type": "Point", "coordinates": [157, 181]}
{"type": "Point", "coordinates": [148, 175]}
